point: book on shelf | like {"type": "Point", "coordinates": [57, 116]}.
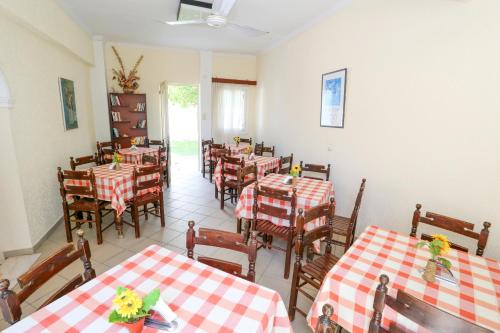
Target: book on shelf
{"type": "Point", "coordinates": [116, 116]}
{"type": "Point", "coordinates": [141, 107]}
{"type": "Point", "coordinates": [116, 132]}
{"type": "Point", "coordinates": [139, 140]}
{"type": "Point", "coordinates": [115, 100]}
{"type": "Point", "coordinates": [141, 124]}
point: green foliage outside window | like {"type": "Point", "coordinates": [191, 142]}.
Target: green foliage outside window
{"type": "Point", "coordinates": [184, 96]}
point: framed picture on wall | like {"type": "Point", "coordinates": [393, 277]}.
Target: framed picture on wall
{"type": "Point", "coordinates": [333, 89]}
{"type": "Point", "coordinates": [68, 103]}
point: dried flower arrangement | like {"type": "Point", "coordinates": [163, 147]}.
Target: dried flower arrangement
{"type": "Point", "coordinates": [128, 83]}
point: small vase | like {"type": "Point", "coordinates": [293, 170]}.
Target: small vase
{"type": "Point", "coordinates": [117, 166]}
{"type": "Point", "coordinates": [128, 90]}
{"type": "Point", "coordinates": [237, 144]}
{"type": "Point", "coordinates": [135, 327]}
{"type": "Point", "coordinates": [294, 181]}
{"type": "Point", "coordinates": [429, 273]}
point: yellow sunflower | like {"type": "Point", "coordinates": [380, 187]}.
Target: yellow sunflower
{"type": "Point", "coordinates": [124, 297]}
{"type": "Point", "coordinates": [129, 305]}
{"type": "Point", "coordinates": [446, 244]}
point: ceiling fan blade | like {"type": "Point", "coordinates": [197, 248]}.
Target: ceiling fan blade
{"type": "Point", "coordinates": [247, 29]}
{"type": "Point", "coordinates": [222, 7]}
{"type": "Point", "coordinates": [190, 22]}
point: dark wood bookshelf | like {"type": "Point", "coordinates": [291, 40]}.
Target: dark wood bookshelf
{"type": "Point", "coordinates": [128, 115]}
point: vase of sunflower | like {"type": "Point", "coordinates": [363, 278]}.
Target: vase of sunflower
{"type": "Point", "coordinates": [294, 172]}
{"type": "Point", "coordinates": [117, 159]}
{"type": "Point", "coordinates": [438, 247]}
{"type": "Point", "coordinates": [130, 310]}
{"type": "Point", "coordinates": [237, 140]}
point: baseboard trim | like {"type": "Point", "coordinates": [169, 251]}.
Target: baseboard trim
{"type": "Point", "coordinates": [34, 248]}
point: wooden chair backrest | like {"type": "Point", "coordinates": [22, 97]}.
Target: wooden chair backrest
{"type": "Point", "coordinates": [149, 159]}
{"type": "Point", "coordinates": [37, 276]}
{"type": "Point", "coordinates": [263, 193]}
{"type": "Point", "coordinates": [84, 177]}
{"type": "Point", "coordinates": [418, 311]}
{"type": "Point", "coordinates": [215, 150]}
{"type": "Point", "coordinates": [230, 166]}
{"type": "Point", "coordinates": [258, 149]}
{"type": "Point", "coordinates": [163, 154]}
{"type": "Point", "coordinates": [103, 149]}
{"type": "Point", "coordinates": [142, 184]}
{"type": "Point", "coordinates": [315, 168]}
{"type": "Point", "coordinates": [451, 224]}
{"type": "Point", "coordinates": [249, 141]}
{"type": "Point", "coordinates": [226, 240]}
{"type": "Point", "coordinates": [306, 238]}
{"type": "Point", "coordinates": [160, 143]}
{"type": "Point", "coordinates": [246, 171]}
{"type": "Point", "coordinates": [325, 324]}
{"type": "Point", "coordinates": [285, 164]}
{"type": "Point", "coordinates": [269, 150]}
{"type": "Point", "coordinates": [354, 216]}
{"type": "Point", "coordinates": [74, 162]}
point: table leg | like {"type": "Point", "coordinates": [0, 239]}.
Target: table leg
{"type": "Point", "coordinates": [119, 225]}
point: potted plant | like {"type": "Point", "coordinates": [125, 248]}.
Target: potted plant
{"type": "Point", "coordinates": [130, 310]}
{"type": "Point", "coordinates": [438, 247]}
{"type": "Point", "coordinates": [294, 172]}
{"type": "Point", "coordinates": [117, 159]}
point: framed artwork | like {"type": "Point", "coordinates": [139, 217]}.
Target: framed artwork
{"type": "Point", "coordinates": [333, 99]}
{"type": "Point", "coordinates": [68, 104]}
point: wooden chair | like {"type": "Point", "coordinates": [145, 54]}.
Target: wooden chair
{"type": "Point", "coordinates": [90, 159]}
{"type": "Point", "coordinates": [346, 226]}
{"type": "Point", "coordinates": [249, 141]}
{"type": "Point", "coordinates": [164, 160]}
{"type": "Point", "coordinates": [325, 324]}
{"type": "Point", "coordinates": [268, 150]}
{"type": "Point", "coordinates": [262, 195]}
{"type": "Point", "coordinates": [315, 270]}
{"type": "Point", "coordinates": [422, 313]}
{"type": "Point", "coordinates": [37, 276]}
{"type": "Point", "coordinates": [451, 224]}
{"type": "Point", "coordinates": [235, 177]}
{"type": "Point", "coordinates": [159, 143]}
{"type": "Point", "coordinates": [225, 240]}
{"type": "Point", "coordinates": [146, 191]}
{"type": "Point", "coordinates": [80, 188]}
{"type": "Point", "coordinates": [215, 150]}
{"type": "Point", "coordinates": [324, 171]}
{"type": "Point", "coordinates": [149, 159]}
{"type": "Point", "coordinates": [105, 151]}
{"type": "Point", "coordinates": [204, 163]}
{"type": "Point", "coordinates": [285, 164]}
{"type": "Point", "coordinates": [258, 149]}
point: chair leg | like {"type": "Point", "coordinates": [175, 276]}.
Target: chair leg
{"type": "Point", "coordinates": [238, 225]}
{"type": "Point", "coordinates": [146, 211]}
{"type": "Point", "coordinates": [216, 191]}
{"type": "Point", "coordinates": [210, 171]}
{"type": "Point", "coordinates": [288, 256]}
{"type": "Point", "coordinates": [203, 167]}
{"type": "Point", "coordinates": [162, 211]}
{"type": "Point", "coordinates": [167, 176]}
{"type": "Point", "coordinates": [89, 217]}
{"type": "Point", "coordinates": [222, 197]}
{"type": "Point", "coordinates": [98, 226]}
{"type": "Point", "coordinates": [67, 226]}
{"type": "Point", "coordinates": [294, 293]}
{"type": "Point", "coordinates": [135, 220]}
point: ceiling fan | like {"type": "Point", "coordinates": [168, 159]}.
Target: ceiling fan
{"type": "Point", "coordinates": [213, 15]}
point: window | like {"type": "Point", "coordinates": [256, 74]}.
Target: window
{"type": "Point", "coordinates": [230, 107]}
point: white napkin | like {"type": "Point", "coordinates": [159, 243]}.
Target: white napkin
{"type": "Point", "coordinates": [112, 166]}
{"type": "Point", "coordinates": [165, 310]}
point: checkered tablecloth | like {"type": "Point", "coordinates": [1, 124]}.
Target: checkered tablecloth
{"type": "Point", "coordinates": [135, 156]}
{"type": "Point", "coordinates": [205, 299]}
{"type": "Point", "coordinates": [264, 163]}
{"type": "Point", "coordinates": [114, 186]}
{"type": "Point", "coordinates": [310, 193]}
{"type": "Point", "coordinates": [235, 150]}
{"type": "Point", "coordinates": [350, 286]}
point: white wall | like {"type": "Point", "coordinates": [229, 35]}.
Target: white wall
{"type": "Point", "coordinates": [422, 108]}
{"type": "Point", "coordinates": [39, 52]}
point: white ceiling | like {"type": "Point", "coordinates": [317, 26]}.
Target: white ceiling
{"type": "Point", "coordinates": [134, 21]}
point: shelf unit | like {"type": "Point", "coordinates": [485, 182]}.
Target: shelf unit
{"type": "Point", "coordinates": [129, 117]}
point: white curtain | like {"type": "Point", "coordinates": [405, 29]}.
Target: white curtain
{"type": "Point", "coordinates": [230, 104]}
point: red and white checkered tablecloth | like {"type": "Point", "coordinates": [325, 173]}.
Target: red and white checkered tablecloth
{"type": "Point", "coordinates": [114, 186]}
{"type": "Point", "coordinates": [135, 156]}
{"type": "Point", "coordinates": [235, 150]}
{"type": "Point", "coordinates": [264, 163]}
{"type": "Point", "coordinates": [350, 285]}
{"type": "Point", "coordinates": [205, 299]}
{"type": "Point", "coordinates": [310, 193]}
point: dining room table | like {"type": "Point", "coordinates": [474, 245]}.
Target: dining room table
{"type": "Point", "coordinates": [203, 298]}
{"type": "Point", "coordinates": [310, 193]}
{"type": "Point", "coordinates": [264, 164]}
{"type": "Point", "coordinates": [350, 285]}
{"type": "Point", "coordinates": [236, 149]}
{"type": "Point", "coordinates": [115, 186]}
{"type": "Point", "coordinates": [134, 155]}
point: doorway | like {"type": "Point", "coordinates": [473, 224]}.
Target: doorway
{"type": "Point", "coordinates": [183, 127]}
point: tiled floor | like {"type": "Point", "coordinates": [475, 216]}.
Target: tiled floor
{"type": "Point", "coordinates": [190, 197]}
